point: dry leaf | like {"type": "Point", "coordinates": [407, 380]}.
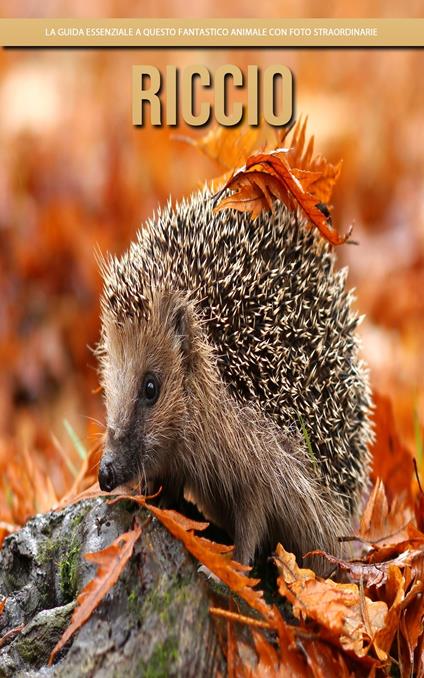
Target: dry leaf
{"type": "Point", "coordinates": [412, 628]}
{"type": "Point", "coordinates": [325, 661]}
{"type": "Point", "coordinates": [110, 563]}
{"type": "Point", "coordinates": [268, 660]}
{"type": "Point", "coordinates": [301, 158]}
{"type": "Point", "coordinates": [230, 147]}
{"type": "Point", "coordinates": [351, 619]}
{"type": "Point", "coordinates": [382, 524]}
{"type": "Point", "coordinates": [391, 459]}
{"type": "Point", "coordinates": [268, 177]}
{"type": "Point", "coordinates": [368, 573]}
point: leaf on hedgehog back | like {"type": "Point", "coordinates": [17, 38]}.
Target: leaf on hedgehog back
{"type": "Point", "coordinates": [301, 148]}
{"type": "Point", "coordinates": [231, 146]}
{"type": "Point", "coordinates": [267, 177]}
{"type": "Point", "coordinates": [342, 610]}
{"type": "Point", "coordinates": [301, 156]}
{"type": "Point", "coordinates": [255, 193]}
{"type": "Point", "coordinates": [110, 563]}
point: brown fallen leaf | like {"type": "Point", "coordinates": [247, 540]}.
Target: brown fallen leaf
{"type": "Point", "coordinates": [326, 661]}
{"type": "Point", "coordinates": [11, 634]}
{"type": "Point", "coordinates": [381, 523]}
{"type": "Point", "coordinates": [368, 573]}
{"type": "Point", "coordinates": [391, 459]}
{"type": "Point", "coordinates": [409, 551]}
{"type": "Point", "coordinates": [110, 563]}
{"type": "Point", "coordinates": [348, 618]}
{"type": "Point", "coordinates": [283, 661]}
{"type": "Point", "coordinates": [411, 626]}
{"type": "Point", "coordinates": [393, 596]}
{"type": "Point", "coordinates": [268, 659]}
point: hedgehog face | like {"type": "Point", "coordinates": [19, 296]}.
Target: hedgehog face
{"type": "Point", "coordinates": [143, 376]}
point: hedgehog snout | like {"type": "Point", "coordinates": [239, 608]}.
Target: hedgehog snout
{"type": "Point", "coordinates": [118, 464]}
{"type": "Point", "coordinates": [107, 475]}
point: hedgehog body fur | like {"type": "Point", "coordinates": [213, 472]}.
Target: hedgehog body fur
{"type": "Point", "coordinates": [249, 329]}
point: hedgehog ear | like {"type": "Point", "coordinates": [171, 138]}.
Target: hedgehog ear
{"type": "Point", "coordinates": [182, 327]}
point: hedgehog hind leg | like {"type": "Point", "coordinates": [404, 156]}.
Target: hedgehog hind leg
{"type": "Point", "coordinates": [249, 529]}
{"type": "Point", "coordinates": [327, 536]}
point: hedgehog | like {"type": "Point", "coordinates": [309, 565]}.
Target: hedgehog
{"type": "Point", "coordinates": [230, 367]}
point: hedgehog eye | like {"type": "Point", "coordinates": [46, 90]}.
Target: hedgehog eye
{"type": "Point", "coordinates": [150, 389]}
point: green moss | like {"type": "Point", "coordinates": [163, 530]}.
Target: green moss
{"type": "Point", "coordinates": [160, 601]}
{"type": "Point", "coordinates": [28, 650]}
{"type": "Point", "coordinates": [162, 660]}
{"type": "Point", "coordinates": [79, 517]}
{"type": "Point", "coordinates": [69, 569]}
{"type": "Point", "coordinates": [133, 603]}
{"type": "Point", "coordinates": [47, 551]}
{"type": "Point", "coordinates": [41, 635]}
{"type": "Point", "coordinates": [68, 564]}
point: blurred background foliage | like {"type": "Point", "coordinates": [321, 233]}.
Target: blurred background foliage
{"type": "Point", "coordinates": [75, 173]}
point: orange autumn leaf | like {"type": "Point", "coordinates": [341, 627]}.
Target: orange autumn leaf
{"type": "Point", "coordinates": [407, 552]}
{"type": "Point", "coordinates": [300, 148]}
{"type": "Point", "coordinates": [368, 573]}
{"type": "Point", "coordinates": [231, 146]}
{"type": "Point", "coordinates": [300, 156]}
{"type": "Point", "coordinates": [284, 661]}
{"type": "Point", "coordinates": [325, 661]}
{"type": "Point", "coordinates": [267, 177]}
{"type": "Point", "coordinates": [379, 521]}
{"type": "Point", "coordinates": [110, 563]}
{"type": "Point", "coordinates": [412, 629]}
{"type": "Point", "coordinates": [343, 612]}
{"type": "Point", "coordinates": [392, 460]}
{"type": "Point", "coordinates": [268, 660]}
{"type": "Point", "coordinates": [393, 594]}
{"type": "Point", "coordinates": [401, 597]}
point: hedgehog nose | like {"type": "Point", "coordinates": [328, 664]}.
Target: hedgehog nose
{"type": "Point", "coordinates": [107, 477]}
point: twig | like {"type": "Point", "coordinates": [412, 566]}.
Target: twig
{"type": "Point", "coordinates": [234, 616]}
{"type": "Point", "coordinates": [10, 635]}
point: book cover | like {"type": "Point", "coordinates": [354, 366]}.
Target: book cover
{"type": "Point", "coordinates": [211, 331]}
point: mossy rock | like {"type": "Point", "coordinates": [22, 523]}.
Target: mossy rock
{"type": "Point", "coordinates": [154, 622]}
